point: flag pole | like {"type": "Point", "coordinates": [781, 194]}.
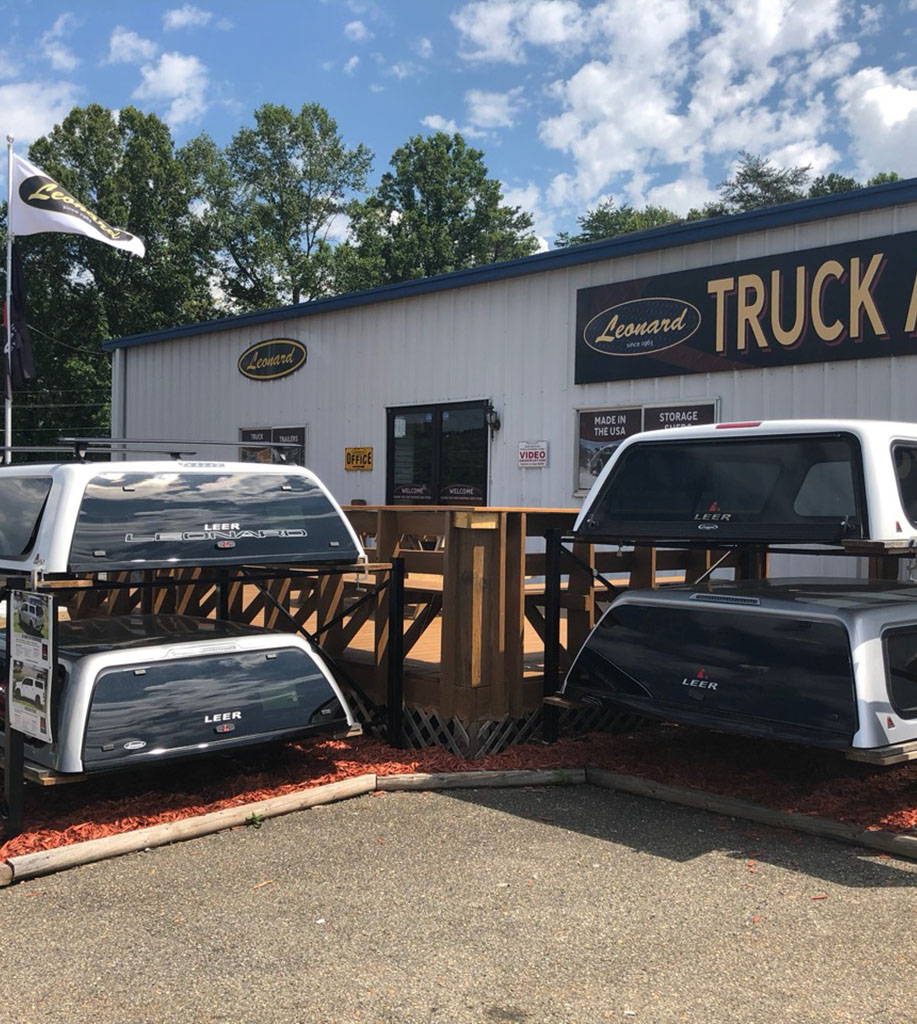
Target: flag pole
{"type": "Point", "coordinates": [8, 346]}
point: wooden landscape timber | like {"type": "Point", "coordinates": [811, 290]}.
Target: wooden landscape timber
{"type": "Point", "coordinates": [33, 865]}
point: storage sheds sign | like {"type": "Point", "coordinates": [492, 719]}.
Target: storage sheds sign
{"type": "Point", "coordinates": [272, 359]}
{"type": "Point", "coordinates": [852, 301]}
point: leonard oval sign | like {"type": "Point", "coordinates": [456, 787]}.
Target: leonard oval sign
{"type": "Point", "coordinates": [271, 359]}
{"type": "Point", "coordinates": [641, 327]}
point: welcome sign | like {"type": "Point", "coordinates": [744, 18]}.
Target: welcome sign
{"type": "Point", "coordinates": [852, 301]}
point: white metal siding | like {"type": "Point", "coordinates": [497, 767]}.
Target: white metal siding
{"type": "Point", "coordinates": [510, 341]}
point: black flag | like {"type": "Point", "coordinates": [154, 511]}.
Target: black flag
{"type": "Point", "coordinates": [22, 365]}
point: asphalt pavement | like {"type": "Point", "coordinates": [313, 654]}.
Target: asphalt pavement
{"type": "Point", "coordinates": [530, 905]}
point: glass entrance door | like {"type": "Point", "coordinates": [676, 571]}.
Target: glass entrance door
{"type": "Point", "coordinates": [437, 454]}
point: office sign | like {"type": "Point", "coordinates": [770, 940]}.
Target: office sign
{"type": "Point", "coordinates": [358, 459]}
{"type": "Point", "coordinates": [856, 300]}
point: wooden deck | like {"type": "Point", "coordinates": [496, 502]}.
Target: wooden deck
{"type": "Point", "coordinates": [474, 622]}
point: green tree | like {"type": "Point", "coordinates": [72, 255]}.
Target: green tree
{"type": "Point", "coordinates": [608, 221]}
{"type": "Point", "coordinates": [830, 184]}
{"type": "Point", "coordinates": [884, 178]}
{"type": "Point", "coordinates": [270, 200]}
{"type": "Point", "coordinates": [435, 211]}
{"type": "Point", "coordinates": [122, 165]}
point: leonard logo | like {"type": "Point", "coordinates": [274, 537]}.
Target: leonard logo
{"type": "Point", "coordinates": [272, 359]}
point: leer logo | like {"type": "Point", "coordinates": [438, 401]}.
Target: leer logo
{"type": "Point", "coordinates": [642, 327]}
{"type": "Point", "coordinates": [700, 681]}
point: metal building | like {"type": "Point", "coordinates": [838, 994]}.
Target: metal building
{"type": "Point", "coordinates": [509, 384]}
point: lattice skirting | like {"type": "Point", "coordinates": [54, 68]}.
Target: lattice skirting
{"type": "Point", "coordinates": [426, 728]}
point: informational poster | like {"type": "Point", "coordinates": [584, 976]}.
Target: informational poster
{"type": "Point", "coordinates": [31, 643]}
{"type": "Point", "coordinates": [290, 436]}
{"type": "Point", "coordinates": [269, 442]}
{"type": "Point", "coordinates": [600, 433]}
{"type": "Point", "coordinates": [602, 430]}
{"type": "Point", "coordinates": [260, 439]}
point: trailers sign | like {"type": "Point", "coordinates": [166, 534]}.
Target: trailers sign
{"type": "Point", "coordinates": [852, 301]}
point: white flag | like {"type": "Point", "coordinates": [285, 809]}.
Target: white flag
{"type": "Point", "coordinates": [41, 204]}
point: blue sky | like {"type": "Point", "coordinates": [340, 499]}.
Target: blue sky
{"type": "Point", "coordinates": [570, 101]}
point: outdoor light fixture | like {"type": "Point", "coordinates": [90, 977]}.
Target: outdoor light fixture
{"type": "Point", "coordinates": [492, 418]}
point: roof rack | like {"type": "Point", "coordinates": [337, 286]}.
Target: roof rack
{"type": "Point", "coordinates": [82, 446]}
{"type": "Point", "coordinates": [109, 442]}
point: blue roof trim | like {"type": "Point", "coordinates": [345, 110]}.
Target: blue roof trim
{"type": "Point", "coordinates": [687, 233]}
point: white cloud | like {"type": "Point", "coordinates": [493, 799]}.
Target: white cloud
{"type": "Point", "coordinates": [492, 109]}
{"type": "Point", "coordinates": [489, 31]}
{"type": "Point", "coordinates": [673, 87]}
{"type": "Point", "coordinates": [880, 110]}
{"type": "Point", "coordinates": [553, 23]}
{"type": "Point", "coordinates": [180, 79]}
{"type": "Point", "coordinates": [424, 48]}
{"type": "Point", "coordinates": [438, 123]}
{"type": "Point", "coordinates": [351, 65]}
{"type": "Point", "coordinates": [29, 110]}
{"type": "Point", "coordinates": [680, 196]}
{"type": "Point", "coordinates": [357, 32]}
{"type": "Point", "coordinates": [871, 18]}
{"type": "Point", "coordinates": [404, 69]}
{"type": "Point", "coordinates": [127, 47]}
{"type": "Point", "coordinates": [187, 16]}
{"type": "Point", "coordinates": [528, 198]}
{"type": "Point", "coordinates": [52, 44]}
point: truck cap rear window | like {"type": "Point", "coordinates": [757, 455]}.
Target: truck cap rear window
{"type": "Point", "coordinates": [805, 487]}
{"type": "Point", "coordinates": [174, 518]}
{"type": "Point", "coordinates": [22, 499]}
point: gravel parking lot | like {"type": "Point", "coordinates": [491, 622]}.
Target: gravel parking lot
{"type": "Point", "coordinates": [473, 906]}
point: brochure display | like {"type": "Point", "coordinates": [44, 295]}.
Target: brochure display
{"type": "Point", "coordinates": [31, 662]}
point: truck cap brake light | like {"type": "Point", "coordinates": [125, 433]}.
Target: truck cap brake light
{"type": "Point", "coordinates": [732, 426]}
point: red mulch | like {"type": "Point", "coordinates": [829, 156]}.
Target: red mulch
{"type": "Point", "coordinates": [816, 782]}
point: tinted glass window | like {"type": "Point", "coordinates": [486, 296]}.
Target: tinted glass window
{"type": "Point", "coordinates": [22, 499]}
{"type": "Point", "coordinates": [463, 469]}
{"type": "Point", "coordinates": [173, 704]}
{"type": "Point", "coordinates": [905, 456]}
{"type": "Point", "coordinates": [782, 481]}
{"type": "Point", "coordinates": [172, 517]}
{"type": "Point", "coordinates": [901, 664]}
{"type": "Point", "coordinates": [412, 457]}
{"type": "Point", "coordinates": [793, 650]}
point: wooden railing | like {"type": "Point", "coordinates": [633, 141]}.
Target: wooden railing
{"type": "Point", "coordinates": [474, 594]}
{"type": "Point", "coordinates": [475, 589]}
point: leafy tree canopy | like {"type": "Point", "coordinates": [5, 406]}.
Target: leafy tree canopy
{"type": "Point", "coordinates": [435, 211]}
{"type": "Point", "coordinates": [270, 201]}
{"type": "Point", "coordinates": [608, 221]}
{"type": "Point", "coordinates": [122, 165]}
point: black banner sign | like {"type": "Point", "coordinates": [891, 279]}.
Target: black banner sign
{"type": "Point", "coordinates": [852, 301]}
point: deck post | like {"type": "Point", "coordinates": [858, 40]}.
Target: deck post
{"type": "Point", "coordinates": [14, 748]}
{"type": "Point", "coordinates": [550, 713]}
{"type": "Point", "coordinates": [395, 688]}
